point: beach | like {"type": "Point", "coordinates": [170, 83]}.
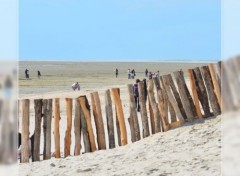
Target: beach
{"type": "Point", "coordinates": [189, 150]}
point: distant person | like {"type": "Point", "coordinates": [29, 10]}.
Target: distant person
{"type": "Point", "coordinates": [157, 74]}
{"type": "Point", "coordinates": [133, 74]}
{"type": "Point", "coordinates": [129, 74]}
{"type": "Point", "coordinates": [39, 74]}
{"type": "Point", "coordinates": [136, 94]}
{"type": "Point", "coordinates": [116, 72]}
{"type": "Point", "coordinates": [27, 74]}
{"type": "Point", "coordinates": [76, 86]}
{"type": "Point", "coordinates": [150, 75]}
{"type": "Point", "coordinates": [145, 89]}
{"type": "Point", "coordinates": [146, 72]}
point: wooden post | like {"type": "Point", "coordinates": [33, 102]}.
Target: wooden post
{"type": "Point", "coordinates": [157, 124]}
{"type": "Point", "coordinates": [194, 93]}
{"type": "Point", "coordinates": [77, 130]}
{"type": "Point", "coordinates": [215, 84]}
{"type": "Point", "coordinates": [109, 116]}
{"type": "Point", "coordinates": [120, 115]}
{"type": "Point", "coordinates": [97, 113]}
{"type": "Point", "coordinates": [218, 74]}
{"type": "Point", "coordinates": [86, 111]}
{"type": "Point", "coordinates": [47, 123]}
{"type": "Point", "coordinates": [211, 94]}
{"type": "Point", "coordinates": [37, 131]}
{"type": "Point", "coordinates": [172, 112]}
{"type": "Point", "coordinates": [25, 131]}
{"type": "Point", "coordinates": [67, 139]}
{"type": "Point", "coordinates": [117, 123]}
{"type": "Point", "coordinates": [201, 91]}
{"type": "Point", "coordinates": [130, 121]}
{"type": "Point", "coordinates": [176, 95]}
{"type": "Point", "coordinates": [133, 113]}
{"type": "Point", "coordinates": [233, 82]}
{"type": "Point", "coordinates": [56, 128]}
{"type": "Point", "coordinates": [227, 97]}
{"type": "Point", "coordinates": [172, 100]}
{"type": "Point", "coordinates": [152, 122]}
{"type": "Point", "coordinates": [143, 110]}
{"type": "Point", "coordinates": [162, 104]}
{"type": "Point", "coordinates": [169, 105]}
{"type": "Point", "coordinates": [183, 93]}
{"type": "Point", "coordinates": [84, 129]}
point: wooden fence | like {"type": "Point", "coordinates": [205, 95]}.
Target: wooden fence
{"type": "Point", "coordinates": [171, 104]}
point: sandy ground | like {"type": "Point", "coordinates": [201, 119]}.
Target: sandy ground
{"type": "Point", "coordinates": [190, 150]}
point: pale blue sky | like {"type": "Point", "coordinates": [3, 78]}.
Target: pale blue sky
{"type": "Point", "coordinates": [120, 30]}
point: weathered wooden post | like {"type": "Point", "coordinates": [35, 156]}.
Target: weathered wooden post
{"type": "Point", "coordinates": [67, 139]}
{"type": "Point", "coordinates": [172, 99]}
{"type": "Point", "coordinates": [117, 123]}
{"type": "Point", "coordinates": [194, 93]}
{"type": "Point", "coordinates": [143, 110]}
{"type": "Point", "coordinates": [201, 91]}
{"type": "Point", "coordinates": [215, 84]}
{"type": "Point", "coordinates": [120, 115]}
{"type": "Point", "coordinates": [109, 116]}
{"type": "Point", "coordinates": [56, 128]}
{"type": "Point", "coordinates": [162, 104]}
{"type": "Point", "coordinates": [233, 81]}
{"type": "Point", "coordinates": [133, 113]}
{"type": "Point", "coordinates": [157, 124]}
{"type": "Point", "coordinates": [77, 130]}
{"type": "Point", "coordinates": [130, 121]}
{"type": "Point", "coordinates": [84, 130]}
{"type": "Point", "coordinates": [211, 94]}
{"type": "Point", "coordinates": [37, 131]}
{"type": "Point", "coordinates": [218, 74]}
{"type": "Point", "coordinates": [184, 95]}
{"type": "Point", "coordinates": [86, 112]}
{"type": "Point", "coordinates": [227, 97]}
{"type": "Point", "coordinates": [47, 123]}
{"type": "Point", "coordinates": [97, 113]}
{"type": "Point", "coordinates": [169, 105]}
{"type": "Point", "coordinates": [152, 122]}
{"type": "Point", "coordinates": [172, 113]}
{"type": "Point", "coordinates": [25, 131]}
{"type": "Point", "coordinates": [176, 95]}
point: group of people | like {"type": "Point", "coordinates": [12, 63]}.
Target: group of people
{"type": "Point", "coordinates": [131, 73]}
{"type": "Point", "coordinates": [151, 75]}
{"type": "Point", "coordinates": [27, 74]}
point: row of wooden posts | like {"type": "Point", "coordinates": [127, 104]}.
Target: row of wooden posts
{"type": "Point", "coordinates": [164, 97]}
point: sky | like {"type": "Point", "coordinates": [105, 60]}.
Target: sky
{"type": "Point", "coordinates": [120, 30]}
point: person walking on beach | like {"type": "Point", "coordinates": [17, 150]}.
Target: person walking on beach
{"type": "Point", "coordinates": [129, 73]}
{"type": "Point", "coordinates": [76, 86]}
{"type": "Point", "coordinates": [136, 94]}
{"type": "Point", "coordinates": [133, 74]}
{"type": "Point", "coordinates": [146, 72]}
{"type": "Point", "coordinates": [116, 72]}
{"type": "Point", "coordinates": [39, 74]}
{"type": "Point", "coordinates": [27, 74]}
{"type": "Point", "coordinates": [157, 74]}
{"type": "Point", "coordinates": [150, 75]}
